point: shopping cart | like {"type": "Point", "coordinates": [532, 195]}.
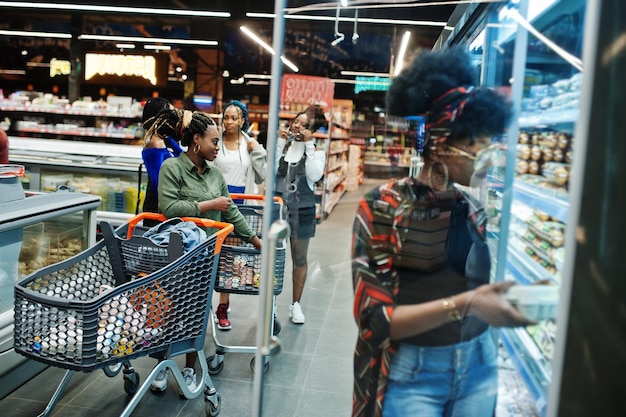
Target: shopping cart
{"type": "Point", "coordinates": [239, 273]}
{"type": "Point", "coordinates": [123, 298]}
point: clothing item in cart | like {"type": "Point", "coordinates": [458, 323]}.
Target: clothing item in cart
{"type": "Point", "coordinates": [191, 234]}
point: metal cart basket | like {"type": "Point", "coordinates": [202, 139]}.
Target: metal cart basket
{"type": "Point", "coordinates": [121, 299]}
{"type": "Point", "coordinates": [239, 273]}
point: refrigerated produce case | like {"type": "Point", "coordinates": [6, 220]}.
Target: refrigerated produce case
{"type": "Point", "coordinates": [110, 171]}
{"type": "Point", "coordinates": [530, 49]}
{"type": "Point", "coordinates": [36, 230]}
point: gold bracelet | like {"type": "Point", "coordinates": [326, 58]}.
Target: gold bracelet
{"type": "Point", "coordinates": [450, 307]}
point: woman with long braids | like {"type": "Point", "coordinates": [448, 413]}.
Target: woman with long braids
{"type": "Point", "coordinates": [156, 149]}
{"type": "Point", "coordinates": [242, 161]}
{"type": "Point", "coordinates": [423, 302]}
{"type": "Point", "coordinates": [299, 167]}
{"type": "Point", "coordinates": [190, 186]}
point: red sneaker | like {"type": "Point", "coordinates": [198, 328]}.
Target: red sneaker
{"type": "Point", "coordinates": [222, 317]}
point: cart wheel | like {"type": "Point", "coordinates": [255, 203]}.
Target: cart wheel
{"type": "Point", "coordinates": [112, 370]}
{"type": "Point", "coordinates": [131, 383]}
{"type": "Point", "coordinates": [266, 365]}
{"type": "Point", "coordinates": [213, 409]}
{"type": "Point", "coordinates": [277, 326]}
{"type": "Point", "coordinates": [215, 364]}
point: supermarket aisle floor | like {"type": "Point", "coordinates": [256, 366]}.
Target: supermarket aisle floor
{"type": "Point", "coordinates": [311, 376]}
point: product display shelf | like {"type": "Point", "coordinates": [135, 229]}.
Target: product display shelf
{"type": "Point", "coordinates": [355, 173]}
{"type": "Point", "coordinates": [549, 112]}
{"type": "Point", "coordinates": [541, 199]}
{"type": "Point", "coordinates": [528, 202]}
{"type": "Point", "coordinates": [552, 117]}
{"type": "Point", "coordinates": [90, 121]}
{"type": "Point", "coordinates": [528, 360]}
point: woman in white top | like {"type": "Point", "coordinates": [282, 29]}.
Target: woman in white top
{"type": "Point", "coordinates": [242, 161]}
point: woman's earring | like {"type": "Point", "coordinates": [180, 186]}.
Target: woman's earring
{"type": "Point", "coordinates": [446, 175]}
{"type": "Point", "coordinates": [196, 148]}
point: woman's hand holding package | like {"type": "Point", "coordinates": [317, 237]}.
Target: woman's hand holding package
{"type": "Point", "coordinates": [489, 303]}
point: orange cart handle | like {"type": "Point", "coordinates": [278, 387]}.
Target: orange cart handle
{"type": "Point", "coordinates": [234, 196]}
{"type": "Point", "coordinates": [225, 228]}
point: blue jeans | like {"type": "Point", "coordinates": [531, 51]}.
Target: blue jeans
{"type": "Point", "coordinates": [449, 381]}
{"type": "Point", "coordinates": [237, 190]}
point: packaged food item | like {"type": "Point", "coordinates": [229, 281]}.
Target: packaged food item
{"type": "Point", "coordinates": [536, 302]}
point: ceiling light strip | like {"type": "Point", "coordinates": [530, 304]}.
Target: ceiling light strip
{"type": "Point", "coordinates": [146, 40]}
{"type": "Point", "coordinates": [268, 48]}
{"type": "Point", "coordinates": [114, 9]}
{"type": "Point", "coordinates": [35, 34]}
{"type": "Point", "coordinates": [400, 58]}
{"type": "Point", "coordinates": [258, 76]}
{"type": "Point", "coordinates": [258, 40]}
{"type": "Point", "coordinates": [257, 82]}
{"type": "Point", "coordinates": [158, 47]}
{"type": "Point", "coordinates": [366, 74]}
{"type": "Point", "coordinates": [351, 19]}
{"type": "Point", "coordinates": [12, 72]}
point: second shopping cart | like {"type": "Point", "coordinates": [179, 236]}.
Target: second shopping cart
{"type": "Point", "coordinates": [239, 273]}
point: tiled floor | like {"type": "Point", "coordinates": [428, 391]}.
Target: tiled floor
{"type": "Point", "coordinates": [310, 377]}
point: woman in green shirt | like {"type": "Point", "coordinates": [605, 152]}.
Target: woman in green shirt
{"type": "Point", "coordinates": [189, 186]}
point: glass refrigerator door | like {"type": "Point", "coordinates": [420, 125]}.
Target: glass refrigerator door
{"type": "Point", "coordinates": [532, 49]}
{"type": "Point", "coordinates": [36, 231]}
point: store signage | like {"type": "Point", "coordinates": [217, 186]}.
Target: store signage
{"type": "Point", "coordinates": [297, 92]}
{"type": "Point", "coordinates": [119, 65]}
{"type": "Point", "coordinates": [371, 84]}
{"type": "Point", "coordinates": [59, 67]}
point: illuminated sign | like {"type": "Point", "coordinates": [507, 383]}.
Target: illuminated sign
{"type": "Point", "coordinates": [371, 84]}
{"type": "Point", "coordinates": [300, 91]}
{"type": "Point", "coordinates": [144, 66]}
{"type": "Point", "coordinates": [59, 67]}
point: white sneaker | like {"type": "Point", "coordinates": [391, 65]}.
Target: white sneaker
{"type": "Point", "coordinates": [160, 383]}
{"type": "Point", "coordinates": [190, 379]}
{"type": "Point", "coordinates": [295, 313]}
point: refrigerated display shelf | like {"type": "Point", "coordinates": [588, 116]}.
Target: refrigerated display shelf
{"type": "Point", "coordinates": [530, 362]}
{"type": "Point", "coordinates": [526, 270]}
{"type": "Point", "coordinates": [550, 117]}
{"type": "Point", "coordinates": [538, 198]}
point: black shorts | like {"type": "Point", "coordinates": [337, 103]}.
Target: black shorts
{"type": "Point", "coordinates": [302, 223]}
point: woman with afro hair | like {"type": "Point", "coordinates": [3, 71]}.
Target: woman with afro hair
{"type": "Point", "coordinates": [423, 303]}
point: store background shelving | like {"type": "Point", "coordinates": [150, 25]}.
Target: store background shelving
{"type": "Point", "coordinates": [43, 115]}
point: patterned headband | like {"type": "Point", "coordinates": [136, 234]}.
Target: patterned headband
{"type": "Point", "coordinates": [448, 107]}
